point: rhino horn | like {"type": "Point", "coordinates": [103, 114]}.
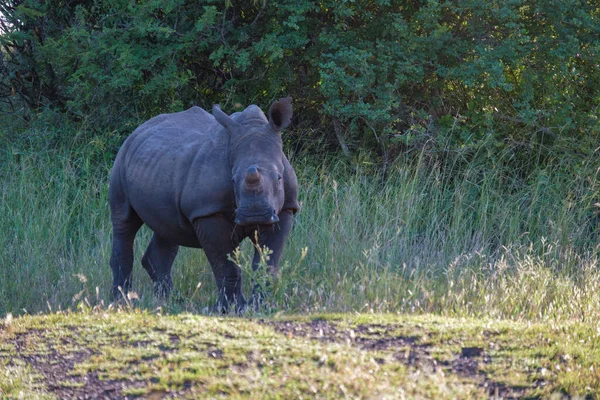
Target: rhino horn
{"type": "Point", "coordinates": [252, 175]}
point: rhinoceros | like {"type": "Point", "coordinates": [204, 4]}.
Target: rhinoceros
{"type": "Point", "coordinates": [203, 181]}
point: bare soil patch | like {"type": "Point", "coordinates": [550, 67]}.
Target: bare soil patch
{"type": "Point", "coordinates": [56, 368]}
{"type": "Point", "coordinates": [405, 349]}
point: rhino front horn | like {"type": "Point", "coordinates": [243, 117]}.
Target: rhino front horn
{"type": "Point", "coordinates": [252, 175]}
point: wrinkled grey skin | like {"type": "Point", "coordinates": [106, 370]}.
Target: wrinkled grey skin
{"type": "Point", "coordinates": [204, 181]}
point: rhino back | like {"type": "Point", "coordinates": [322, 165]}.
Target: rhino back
{"type": "Point", "coordinates": [175, 168]}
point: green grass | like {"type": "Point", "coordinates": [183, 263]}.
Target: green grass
{"type": "Point", "coordinates": [450, 238]}
{"type": "Point", "coordinates": [324, 356]}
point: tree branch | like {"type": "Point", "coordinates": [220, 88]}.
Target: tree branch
{"type": "Point", "coordinates": [337, 127]}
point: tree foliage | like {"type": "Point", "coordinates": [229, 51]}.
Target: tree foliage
{"type": "Point", "coordinates": [517, 77]}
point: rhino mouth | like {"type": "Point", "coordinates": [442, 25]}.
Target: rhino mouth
{"type": "Point", "coordinates": [243, 217]}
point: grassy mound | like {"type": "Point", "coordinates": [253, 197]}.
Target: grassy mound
{"type": "Point", "coordinates": [129, 354]}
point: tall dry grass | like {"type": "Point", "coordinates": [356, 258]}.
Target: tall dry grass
{"type": "Point", "coordinates": [452, 238]}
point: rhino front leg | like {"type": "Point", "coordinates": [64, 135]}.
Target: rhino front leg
{"type": "Point", "coordinates": [217, 239]}
{"type": "Point", "coordinates": [157, 261]}
{"type": "Point", "coordinates": [273, 238]}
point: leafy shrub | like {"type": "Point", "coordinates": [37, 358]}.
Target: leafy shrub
{"type": "Point", "coordinates": [517, 78]}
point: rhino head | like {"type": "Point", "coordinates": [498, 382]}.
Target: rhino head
{"type": "Point", "coordinates": [256, 159]}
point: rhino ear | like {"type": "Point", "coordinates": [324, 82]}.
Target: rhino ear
{"type": "Point", "coordinates": [224, 119]}
{"type": "Point", "coordinates": [280, 114]}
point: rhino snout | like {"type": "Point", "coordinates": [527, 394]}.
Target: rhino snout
{"type": "Point", "coordinates": [243, 217]}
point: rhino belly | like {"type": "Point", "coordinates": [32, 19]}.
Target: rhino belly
{"type": "Point", "coordinates": [154, 190]}
{"type": "Point", "coordinates": [176, 235]}
{"type": "Point", "coordinates": [165, 221]}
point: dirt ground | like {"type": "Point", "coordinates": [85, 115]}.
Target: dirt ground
{"type": "Point", "coordinates": [406, 350]}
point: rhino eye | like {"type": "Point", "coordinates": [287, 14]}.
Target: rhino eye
{"type": "Point", "coordinates": [278, 177]}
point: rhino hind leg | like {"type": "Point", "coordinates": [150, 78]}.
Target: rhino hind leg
{"type": "Point", "coordinates": [157, 261]}
{"type": "Point", "coordinates": [121, 259]}
{"type": "Point", "coordinates": [217, 239]}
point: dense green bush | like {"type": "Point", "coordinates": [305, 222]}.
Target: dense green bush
{"type": "Point", "coordinates": [519, 78]}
